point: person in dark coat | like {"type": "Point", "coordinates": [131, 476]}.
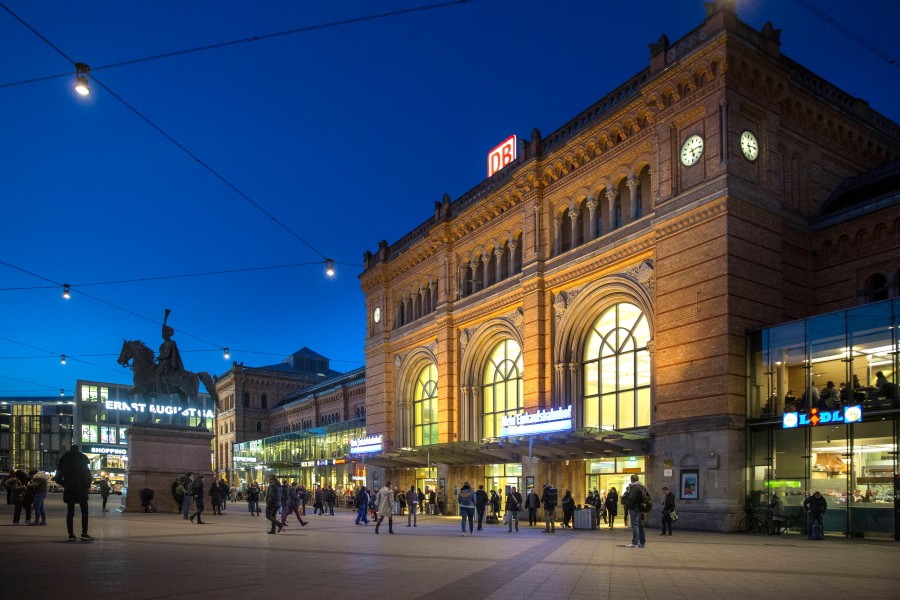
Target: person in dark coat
{"type": "Point", "coordinates": [568, 508]}
{"type": "Point", "coordinates": [197, 493]}
{"type": "Point", "coordinates": [668, 510]}
{"type": "Point", "coordinates": [74, 473]}
{"type": "Point", "coordinates": [481, 500]}
{"type": "Point", "coordinates": [612, 506]}
{"type": "Point", "coordinates": [533, 503]}
{"type": "Point", "coordinates": [215, 497]}
{"type": "Point", "coordinates": [105, 489]}
{"type": "Point", "coordinates": [273, 501]}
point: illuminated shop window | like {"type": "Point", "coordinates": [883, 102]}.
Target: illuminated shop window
{"type": "Point", "coordinates": [617, 370]}
{"type": "Point", "coordinates": [502, 389]}
{"type": "Point", "coordinates": [425, 407]}
{"type": "Point", "coordinates": [89, 434]}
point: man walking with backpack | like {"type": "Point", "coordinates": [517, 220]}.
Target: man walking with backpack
{"type": "Point", "coordinates": [636, 499]}
{"type": "Point", "coordinates": [549, 498]}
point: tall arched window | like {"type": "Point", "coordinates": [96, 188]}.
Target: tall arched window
{"type": "Point", "coordinates": [617, 370]}
{"type": "Point", "coordinates": [502, 389]}
{"type": "Point", "coordinates": [877, 288]}
{"type": "Point", "coordinates": [425, 407]}
{"type": "Point", "coordinates": [264, 401]}
{"type": "Point", "coordinates": [246, 399]}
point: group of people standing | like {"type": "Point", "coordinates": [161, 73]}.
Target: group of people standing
{"type": "Point", "coordinates": [28, 492]}
{"type": "Point", "coordinates": [192, 488]}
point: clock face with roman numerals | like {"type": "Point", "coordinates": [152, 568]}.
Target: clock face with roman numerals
{"type": "Point", "coordinates": [691, 150]}
{"type": "Point", "coordinates": [376, 314]}
{"type": "Point", "coordinates": [749, 146]}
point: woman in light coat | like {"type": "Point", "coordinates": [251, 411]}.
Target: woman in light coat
{"type": "Point", "coordinates": [384, 506]}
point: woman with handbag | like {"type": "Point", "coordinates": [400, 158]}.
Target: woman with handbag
{"type": "Point", "coordinates": [668, 512]}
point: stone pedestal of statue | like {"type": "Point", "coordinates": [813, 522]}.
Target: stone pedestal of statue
{"type": "Point", "coordinates": [157, 456]}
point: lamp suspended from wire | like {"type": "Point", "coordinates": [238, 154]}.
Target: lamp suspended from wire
{"type": "Point", "coordinates": [227, 353]}
{"type": "Point", "coordinates": [66, 293]}
{"type": "Point", "coordinates": [81, 79]}
{"type": "Point", "coordinates": [62, 359]}
{"type": "Point", "coordinates": [62, 392]}
{"type": "Point", "coordinates": [329, 267]}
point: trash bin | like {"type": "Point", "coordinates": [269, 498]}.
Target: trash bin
{"type": "Point", "coordinates": [584, 519]}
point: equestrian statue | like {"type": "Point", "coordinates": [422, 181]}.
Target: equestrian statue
{"type": "Point", "coordinates": [166, 375]}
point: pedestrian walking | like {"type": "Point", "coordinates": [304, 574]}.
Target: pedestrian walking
{"type": "Point", "coordinates": [253, 499]}
{"type": "Point", "coordinates": [513, 506]}
{"type": "Point", "coordinates": [384, 505]}
{"type": "Point", "coordinates": [634, 500]}
{"type": "Point", "coordinates": [273, 501]}
{"type": "Point", "coordinates": [293, 505]}
{"type": "Point", "coordinates": [612, 506]}
{"type": "Point", "coordinates": [412, 503]}
{"type": "Point", "coordinates": [533, 503]}
{"type": "Point", "coordinates": [105, 489]}
{"type": "Point", "coordinates": [197, 492]}
{"type": "Point", "coordinates": [466, 501]}
{"type": "Point", "coordinates": [362, 505]}
{"type": "Point", "coordinates": [481, 501]}
{"type": "Point", "coordinates": [668, 511]}
{"type": "Point", "coordinates": [74, 473]}
{"type": "Point", "coordinates": [549, 500]}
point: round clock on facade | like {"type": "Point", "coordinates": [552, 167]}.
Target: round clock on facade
{"type": "Point", "coordinates": [691, 150]}
{"type": "Point", "coordinates": [749, 146]}
{"type": "Point", "coordinates": [376, 314]}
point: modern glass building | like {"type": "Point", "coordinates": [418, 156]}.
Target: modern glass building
{"type": "Point", "coordinates": [318, 455]}
{"type": "Point", "coordinates": [35, 432]}
{"type": "Point", "coordinates": [823, 414]}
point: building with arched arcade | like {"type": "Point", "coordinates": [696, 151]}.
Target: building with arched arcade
{"type": "Point", "coordinates": [584, 313]}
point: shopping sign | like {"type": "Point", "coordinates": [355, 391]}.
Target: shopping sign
{"type": "Point", "coordinates": [502, 155]}
{"type": "Point", "coordinates": [848, 414]}
{"type": "Point", "coordinates": [542, 421]}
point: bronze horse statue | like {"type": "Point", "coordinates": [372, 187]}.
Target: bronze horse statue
{"type": "Point", "coordinates": [186, 384]}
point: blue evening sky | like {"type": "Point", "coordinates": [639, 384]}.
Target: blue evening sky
{"type": "Point", "coordinates": [345, 134]}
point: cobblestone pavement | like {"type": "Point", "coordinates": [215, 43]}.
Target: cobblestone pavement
{"type": "Point", "coordinates": [161, 556]}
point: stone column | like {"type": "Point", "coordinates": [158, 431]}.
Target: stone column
{"type": "Point", "coordinates": [473, 266]}
{"type": "Point", "coordinates": [432, 293]}
{"type": "Point", "coordinates": [498, 254]}
{"type": "Point", "coordinates": [575, 223]}
{"type": "Point", "coordinates": [486, 269]}
{"type": "Point", "coordinates": [461, 286]}
{"type": "Point", "coordinates": [405, 310]}
{"type": "Point", "coordinates": [633, 184]}
{"type": "Point", "coordinates": [512, 257]}
{"type": "Point", "coordinates": [592, 226]}
{"type": "Point", "coordinates": [557, 237]}
{"type": "Point", "coordinates": [611, 195]}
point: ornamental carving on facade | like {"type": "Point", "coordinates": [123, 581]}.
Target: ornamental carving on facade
{"type": "Point", "coordinates": [643, 274]}
{"type": "Point", "coordinates": [563, 300]}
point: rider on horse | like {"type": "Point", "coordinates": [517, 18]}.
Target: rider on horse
{"type": "Point", "coordinates": [169, 359]}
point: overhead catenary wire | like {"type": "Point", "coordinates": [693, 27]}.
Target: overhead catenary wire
{"type": "Point", "coordinates": [175, 142]}
{"type": "Point", "coordinates": [255, 38]}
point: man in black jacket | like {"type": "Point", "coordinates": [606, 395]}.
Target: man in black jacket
{"type": "Point", "coordinates": [481, 500]}
{"type": "Point", "coordinates": [74, 474]}
{"type": "Point", "coordinates": [668, 511]}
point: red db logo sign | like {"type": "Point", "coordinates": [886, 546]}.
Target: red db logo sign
{"type": "Point", "coordinates": [502, 155]}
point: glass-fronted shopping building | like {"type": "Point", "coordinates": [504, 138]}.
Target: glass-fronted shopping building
{"type": "Point", "coordinates": [314, 456]}
{"type": "Point", "coordinates": [824, 414]}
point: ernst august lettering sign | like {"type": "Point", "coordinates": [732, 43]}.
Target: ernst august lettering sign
{"type": "Point", "coordinates": [159, 409]}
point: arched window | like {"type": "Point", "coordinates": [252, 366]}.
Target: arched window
{"type": "Point", "coordinates": [617, 370]}
{"type": "Point", "coordinates": [259, 427]}
{"type": "Point", "coordinates": [877, 288]}
{"type": "Point", "coordinates": [246, 400]}
{"type": "Point", "coordinates": [425, 407]}
{"type": "Point", "coordinates": [502, 389]}
{"type": "Point", "coordinates": [264, 401]}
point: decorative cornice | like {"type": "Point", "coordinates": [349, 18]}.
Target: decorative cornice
{"type": "Point", "coordinates": [707, 212]}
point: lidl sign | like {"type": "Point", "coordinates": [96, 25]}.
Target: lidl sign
{"type": "Point", "coordinates": [848, 414]}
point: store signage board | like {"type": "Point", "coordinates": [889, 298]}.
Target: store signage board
{"type": "Point", "coordinates": [542, 421]}
{"type": "Point", "coordinates": [502, 155]}
{"type": "Point", "coordinates": [367, 445]}
{"type": "Point", "coordinates": [158, 409]}
{"type": "Point", "coordinates": [102, 450]}
{"type": "Point", "coordinates": [848, 414]}
{"type": "Point", "coordinates": [244, 459]}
